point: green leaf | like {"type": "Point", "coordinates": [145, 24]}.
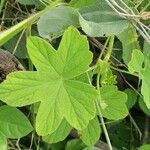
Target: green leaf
{"type": "Point", "coordinates": [108, 78]}
{"type": "Point", "coordinates": [129, 39]}
{"type": "Point", "coordinates": [53, 23]}
{"type": "Point", "coordinates": [132, 97]}
{"type": "Point", "coordinates": [145, 75]}
{"type": "Point", "coordinates": [135, 65]}
{"type": "Point", "coordinates": [58, 146]}
{"type": "Point", "coordinates": [8, 34]}
{"type": "Point", "coordinates": [144, 107]}
{"type": "Point", "coordinates": [91, 134]}
{"type": "Point", "coordinates": [75, 144]}
{"type": "Point", "coordinates": [3, 143]}
{"type": "Point", "coordinates": [144, 147]}
{"type": "Point", "coordinates": [13, 123]}
{"type": "Point", "coordinates": [2, 4]}
{"type": "Point", "coordinates": [59, 134]}
{"type": "Point", "coordinates": [100, 20]}
{"type": "Point", "coordinates": [146, 48]}
{"type": "Point", "coordinates": [82, 3]}
{"type": "Point", "coordinates": [53, 85]}
{"type": "Point", "coordinates": [113, 103]}
{"type": "Point", "coordinates": [84, 78]}
{"type": "Point", "coordinates": [92, 148]}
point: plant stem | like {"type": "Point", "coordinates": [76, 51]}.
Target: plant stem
{"type": "Point", "coordinates": [136, 91]}
{"type": "Point", "coordinates": [123, 71]}
{"type": "Point", "coordinates": [136, 126]}
{"type": "Point", "coordinates": [8, 34]}
{"type": "Point", "coordinates": [99, 111]}
{"type": "Point", "coordinates": [110, 48]}
{"type": "Point", "coordinates": [103, 126]}
{"type": "Point", "coordinates": [137, 5]}
{"type": "Point", "coordinates": [98, 106]}
{"type": "Point", "coordinates": [18, 41]}
{"type": "Point", "coordinates": [146, 130]}
{"type": "Point", "coordinates": [100, 114]}
{"type": "Point", "coordinates": [125, 14]}
{"type": "Point", "coordinates": [104, 47]}
{"type": "Point", "coordinates": [1, 5]}
{"type": "Point", "coordinates": [91, 68]}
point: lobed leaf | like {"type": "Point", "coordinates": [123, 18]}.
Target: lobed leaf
{"type": "Point", "coordinates": [53, 83]}
{"type": "Point", "coordinates": [113, 103]}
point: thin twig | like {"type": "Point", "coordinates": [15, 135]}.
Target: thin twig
{"type": "Point", "coordinates": [19, 39]}
{"type": "Point", "coordinates": [134, 18]}
{"type": "Point", "coordinates": [17, 144]}
{"type": "Point", "coordinates": [136, 126]}
{"type": "Point", "coordinates": [146, 130]}
{"type": "Point", "coordinates": [32, 139]}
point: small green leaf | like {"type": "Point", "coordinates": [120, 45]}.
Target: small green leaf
{"type": "Point", "coordinates": [3, 143]}
{"type": "Point", "coordinates": [53, 83]}
{"type": "Point", "coordinates": [75, 144]}
{"type": "Point", "coordinates": [113, 103]}
{"type": "Point", "coordinates": [53, 23]}
{"type": "Point", "coordinates": [100, 20]}
{"type": "Point", "coordinates": [144, 107]}
{"type": "Point", "coordinates": [108, 78]}
{"type": "Point", "coordinates": [13, 123]}
{"type": "Point", "coordinates": [92, 148]}
{"type": "Point", "coordinates": [91, 134]}
{"type": "Point", "coordinates": [132, 97]}
{"type": "Point", "coordinates": [135, 65]}
{"type": "Point", "coordinates": [145, 75]}
{"type": "Point", "coordinates": [59, 134]}
{"type": "Point", "coordinates": [58, 146]}
{"type": "Point", "coordinates": [129, 39]}
{"type": "Point", "coordinates": [146, 48]}
{"type": "Point", "coordinates": [144, 147]}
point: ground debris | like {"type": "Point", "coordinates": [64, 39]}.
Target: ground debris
{"type": "Point", "coordinates": [8, 64]}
